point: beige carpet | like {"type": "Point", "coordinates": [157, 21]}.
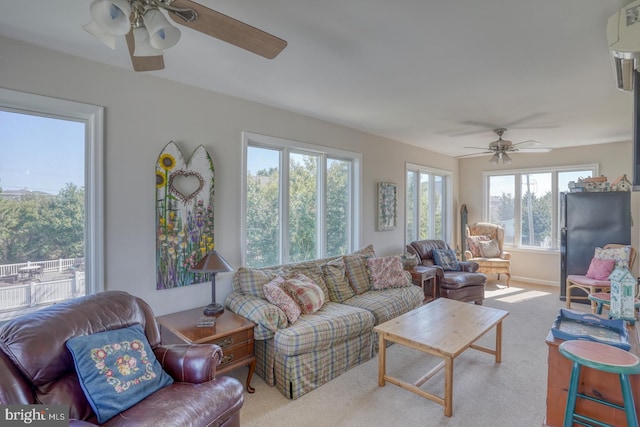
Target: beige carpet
{"type": "Point", "coordinates": [511, 393]}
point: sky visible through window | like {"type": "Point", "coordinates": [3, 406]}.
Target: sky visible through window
{"type": "Point", "coordinates": [40, 153]}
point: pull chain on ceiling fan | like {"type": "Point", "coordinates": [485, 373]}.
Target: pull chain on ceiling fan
{"type": "Point", "coordinates": [148, 32]}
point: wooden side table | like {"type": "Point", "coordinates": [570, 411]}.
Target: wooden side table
{"type": "Point", "coordinates": [233, 333]}
{"type": "Point", "coordinates": [423, 277]}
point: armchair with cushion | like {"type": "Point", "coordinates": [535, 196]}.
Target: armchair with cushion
{"type": "Point", "coordinates": [37, 367]}
{"type": "Point", "coordinates": [485, 247]}
{"type": "Point", "coordinates": [462, 283]}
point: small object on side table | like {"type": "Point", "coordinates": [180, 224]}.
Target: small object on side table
{"type": "Point", "coordinates": [233, 333]}
{"type": "Point", "coordinates": [206, 321]}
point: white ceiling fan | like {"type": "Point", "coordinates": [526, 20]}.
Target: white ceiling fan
{"type": "Point", "coordinates": [148, 32]}
{"type": "Point", "coordinates": [501, 148]}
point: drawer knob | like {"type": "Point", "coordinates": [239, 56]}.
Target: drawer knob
{"type": "Point", "coordinates": [225, 342]}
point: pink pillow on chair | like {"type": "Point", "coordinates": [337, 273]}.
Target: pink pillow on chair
{"type": "Point", "coordinates": [600, 269]}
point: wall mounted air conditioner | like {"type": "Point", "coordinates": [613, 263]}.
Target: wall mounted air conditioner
{"type": "Point", "coordinates": [623, 35]}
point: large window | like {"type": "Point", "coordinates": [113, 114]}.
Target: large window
{"type": "Point", "coordinates": [301, 201]}
{"type": "Point", "coordinates": [526, 203]}
{"type": "Point", "coordinates": [50, 201]}
{"type": "Point", "coordinates": [428, 199]}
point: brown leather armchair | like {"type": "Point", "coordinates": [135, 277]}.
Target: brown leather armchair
{"type": "Point", "coordinates": [37, 368]}
{"type": "Point", "coordinates": [464, 285]}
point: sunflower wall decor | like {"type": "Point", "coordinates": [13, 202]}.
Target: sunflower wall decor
{"type": "Point", "coordinates": [184, 215]}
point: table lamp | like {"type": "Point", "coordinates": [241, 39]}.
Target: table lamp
{"type": "Point", "coordinates": [213, 263]}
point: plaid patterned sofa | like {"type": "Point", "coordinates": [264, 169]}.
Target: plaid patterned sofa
{"type": "Point", "coordinates": [318, 347]}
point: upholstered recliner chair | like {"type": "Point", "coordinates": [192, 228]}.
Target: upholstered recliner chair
{"type": "Point", "coordinates": [466, 284]}
{"type": "Point", "coordinates": [36, 367]}
{"type": "Point", "coordinates": [485, 247]}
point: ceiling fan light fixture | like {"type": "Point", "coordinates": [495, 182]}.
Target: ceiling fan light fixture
{"type": "Point", "coordinates": [494, 159]}
{"type": "Point", "coordinates": [112, 16]}
{"type": "Point", "coordinates": [142, 45]}
{"type": "Point", "coordinates": [506, 159]}
{"type": "Point", "coordinates": [96, 31]}
{"type": "Point", "coordinates": [162, 35]}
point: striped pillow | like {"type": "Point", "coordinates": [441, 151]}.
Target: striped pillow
{"type": "Point", "coordinates": [336, 280]}
{"type": "Point", "coordinates": [279, 297]}
{"type": "Point", "coordinates": [307, 294]}
{"type": "Point", "coordinates": [355, 266]}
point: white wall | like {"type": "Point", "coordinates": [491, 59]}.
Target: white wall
{"type": "Point", "coordinates": [537, 265]}
{"type": "Point", "coordinates": [143, 113]}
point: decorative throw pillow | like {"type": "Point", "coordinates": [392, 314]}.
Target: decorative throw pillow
{"type": "Point", "coordinates": [472, 243]}
{"type": "Point", "coordinates": [312, 271]}
{"type": "Point", "coordinates": [307, 294]}
{"type": "Point", "coordinates": [600, 269]}
{"type": "Point", "coordinates": [447, 259]}
{"type": "Point", "coordinates": [277, 296]}
{"type": "Point", "coordinates": [355, 267]}
{"type": "Point", "coordinates": [489, 249]}
{"type": "Point", "coordinates": [116, 369]}
{"type": "Point", "coordinates": [252, 280]}
{"type": "Point", "coordinates": [336, 280]}
{"type": "Point", "coordinates": [387, 272]}
{"type": "Point", "coordinates": [620, 255]}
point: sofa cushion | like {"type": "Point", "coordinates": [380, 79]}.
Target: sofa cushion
{"type": "Point", "coordinates": [312, 270]}
{"type": "Point", "coordinates": [355, 266]}
{"type": "Point", "coordinates": [306, 293]}
{"type": "Point", "coordinates": [386, 304]}
{"type": "Point", "coordinates": [336, 280]}
{"type": "Point", "coordinates": [116, 369]}
{"type": "Point", "coordinates": [620, 255]}
{"type": "Point", "coordinates": [387, 272]}
{"type": "Point", "coordinates": [474, 246]}
{"type": "Point", "coordinates": [279, 297]}
{"type": "Point", "coordinates": [332, 324]}
{"type": "Point", "coordinates": [489, 249]}
{"type": "Point", "coordinates": [447, 259]}
{"type": "Point", "coordinates": [600, 269]}
{"type": "Point", "coordinates": [252, 280]}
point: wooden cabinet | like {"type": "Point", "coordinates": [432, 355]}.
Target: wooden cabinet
{"type": "Point", "coordinates": [427, 279]}
{"type": "Point", "coordinates": [233, 333]}
{"type": "Point", "coordinates": [592, 382]}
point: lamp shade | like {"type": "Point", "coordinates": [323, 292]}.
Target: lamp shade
{"type": "Point", "coordinates": [142, 45]}
{"type": "Point", "coordinates": [494, 159]}
{"type": "Point", "coordinates": [112, 16]}
{"type": "Point", "coordinates": [506, 159]}
{"type": "Point", "coordinates": [162, 35]}
{"type": "Point", "coordinates": [213, 262]}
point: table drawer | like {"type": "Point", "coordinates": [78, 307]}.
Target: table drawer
{"type": "Point", "coordinates": [232, 340]}
{"type": "Point", "coordinates": [234, 354]}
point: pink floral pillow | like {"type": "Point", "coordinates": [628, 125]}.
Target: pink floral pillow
{"type": "Point", "coordinates": [600, 268]}
{"type": "Point", "coordinates": [306, 293]}
{"type": "Point", "coordinates": [277, 296]}
{"type": "Point", "coordinates": [387, 272]}
{"type": "Point", "coordinates": [473, 243]}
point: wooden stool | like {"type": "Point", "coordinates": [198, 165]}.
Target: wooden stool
{"type": "Point", "coordinates": [605, 358]}
{"type": "Point", "coordinates": [604, 298]}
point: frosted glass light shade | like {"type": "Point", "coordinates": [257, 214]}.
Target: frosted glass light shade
{"type": "Point", "coordinates": [162, 35]}
{"type": "Point", "coordinates": [142, 45]}
{"type": "Point", "coordinates": [112, 16]}
{"type": "Point", "coordinates": [494, 159]}
{"type": "Point", "coordinates": [506, 159]}
{"type": "Point", "coordinates": [96, 31]}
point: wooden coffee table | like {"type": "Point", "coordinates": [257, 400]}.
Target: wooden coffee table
{"type": "Point", "coordinates": [443, 328]}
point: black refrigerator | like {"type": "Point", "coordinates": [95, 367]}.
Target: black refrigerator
{"type": "Point", "coordinates": [589, 220]}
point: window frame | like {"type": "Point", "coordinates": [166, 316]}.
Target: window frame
{"type": "Point", "coordinates": [447, 216]}
{"type": "Point", "coordinates": [93, 118]}
{"type": "Point", "coordinates": [287, 147]}
{"type": "Point", "coordinates": [555, 198]}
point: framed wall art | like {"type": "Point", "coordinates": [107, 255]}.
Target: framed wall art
{"type": "Point", "coordinates": [387, 206]}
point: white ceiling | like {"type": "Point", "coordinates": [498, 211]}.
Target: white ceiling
{"type": "Point", "coordinates": [436, 74]}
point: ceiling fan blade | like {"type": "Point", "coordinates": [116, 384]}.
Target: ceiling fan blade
{"type": "Point", "coordinates": [528, 143]}
{"type": "Point", "coordinates": [535, 150]}
{"type": "Point", "coordinates": [230, 30]}
{"type": "Point", "coordinates": [484, 153]}
{"type": "Point", "coordinates": [479, 148]}
{"type": "Point", "coordinates": [143, 63]}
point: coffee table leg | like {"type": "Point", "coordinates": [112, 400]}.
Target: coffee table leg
{"type": "Point", "coordinates": [499, 342]}
{"type": "Point", "coordinates": [448, 386]}
{"type": "Point", "coordinates": [382, 355]}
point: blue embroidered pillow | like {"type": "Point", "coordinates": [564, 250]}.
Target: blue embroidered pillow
{"type": "Point", "coordinates": [447, 259]}
{"type": "Point", "coordinates": [117, 369]}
